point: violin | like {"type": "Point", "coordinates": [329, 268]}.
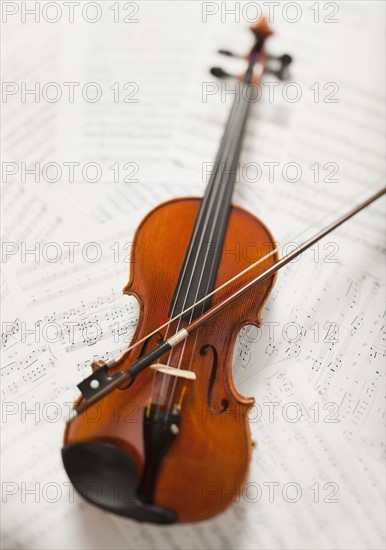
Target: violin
{"type": "Point", "coordinates": [161, 434]}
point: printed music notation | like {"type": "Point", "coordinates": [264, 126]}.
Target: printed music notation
{"type": "Point", "coordinates": [310, 296]}
{"type": "Point", "coordinates": [26, 372]}
{"type": "Point", "coordinates": [341, 353]}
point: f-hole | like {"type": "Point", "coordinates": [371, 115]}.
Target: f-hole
{"type": "Point", "coordinates": [212, 379]}
{"type": "Point", "coordinates": [144, 347]}
{"type": "Point", "coordinates": [146, 343]}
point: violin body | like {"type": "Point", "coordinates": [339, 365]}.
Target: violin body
{"type": "Point", "coordinates": [205, 466]}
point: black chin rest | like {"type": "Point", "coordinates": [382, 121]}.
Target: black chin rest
{"type": "Point", "coordinates": [107, 477]}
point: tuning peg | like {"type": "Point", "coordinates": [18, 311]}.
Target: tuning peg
{"type": "Point", "coordinates": [280, 70]}
{"type": "Point", "coordinates": [284, 57]}
{"type": "Point", "coordinates": [230, 54]}
{"type": "Point", "coordinates": [218, 72]}
{"type": "Point", "coordinates": [284, 61]}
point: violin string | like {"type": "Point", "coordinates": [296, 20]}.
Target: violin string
{"type": "Point", "coordinates": [216, 202]}
{"type": "Point", "coordinates": [213, 200]}
{"type": "Point", "coordinates": [237, 119]}
{"type": "Point", "coordinates": [324, 217]}
{"type": "Point", "coordinates": [228, 140]}
{"type": "Point", "coordinates": [235, 156]}
{"type": "Point", "coordinates": [212, 193]}
{"type": "Point", "coordinates": [209, 192]}
{"type": "Point", "coordinates": [216, 189]}
{"type": "Point", "coordinates": [232, 153]}
{"type": "Point", "coordinates": [233, 279]}
{"type": "Point", "coordinates": [220, 189]}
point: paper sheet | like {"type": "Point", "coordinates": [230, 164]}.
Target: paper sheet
{"type": "Point", "coordinates": [321, 345]}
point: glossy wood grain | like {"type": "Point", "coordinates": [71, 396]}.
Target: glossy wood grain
{"type": "Point", "coordinates": [208, 462]}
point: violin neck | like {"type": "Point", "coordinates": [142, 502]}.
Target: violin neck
{"type": "Point", "coordinates": [222, 181]}
{"type": "Point", "coordinates": [199, 270]}
{"type": "Point", "coordinates": [224, 174]}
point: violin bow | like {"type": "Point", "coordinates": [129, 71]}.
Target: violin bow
{"type": "Point", "coordinates": [100, 383]}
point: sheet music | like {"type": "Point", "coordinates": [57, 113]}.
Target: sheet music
{"type": "Point", "coordinates": [292, 461]}
{"type": "Point", "coordinates": [137, 122]}
{"type": "Point", "coordinates": [321, 344]}
{"type": "Point", "coordinates": [37, 395]}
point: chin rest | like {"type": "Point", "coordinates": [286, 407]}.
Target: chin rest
{"type": "Point", "coordinates": [106, 476]}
